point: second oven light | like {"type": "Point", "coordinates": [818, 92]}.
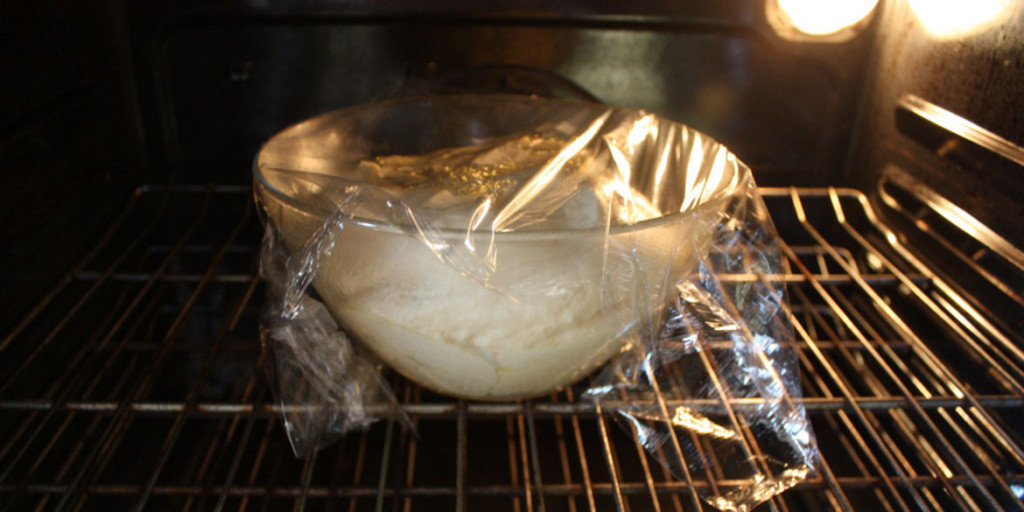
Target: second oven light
{"type": "Point", "coordinates": [955, 18]}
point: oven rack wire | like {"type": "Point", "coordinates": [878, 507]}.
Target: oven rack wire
{"type": "Point", "coordinates": [136, 383]}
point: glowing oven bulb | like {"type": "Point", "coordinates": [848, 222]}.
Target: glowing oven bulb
{"type": "Point", "coordinates": [954, 18]}
{"type": "Point", "coordinates": [824, 17]}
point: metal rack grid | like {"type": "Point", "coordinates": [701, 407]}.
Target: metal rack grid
{"type": "Point", "coordinates": [136, 383]}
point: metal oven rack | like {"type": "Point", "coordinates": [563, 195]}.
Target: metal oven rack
{"type": "Point", "coordinates": [137, 383]}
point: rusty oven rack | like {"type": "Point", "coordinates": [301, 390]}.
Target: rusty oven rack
{"type": "Point", "coordinates": [137, 383]}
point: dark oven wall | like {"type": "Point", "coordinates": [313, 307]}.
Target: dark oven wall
{"type": "Point", "coordinates": [69, 142]}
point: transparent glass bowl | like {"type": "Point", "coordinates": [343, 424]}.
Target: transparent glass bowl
{"type": "Point", "coordinates": [558, 303]}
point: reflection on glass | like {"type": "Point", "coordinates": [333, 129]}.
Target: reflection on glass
{"type": "Point", "coordinates": [823, 17]}
{"type": "Point", "coordinates": [956, 18]}
{"type": "Point", "coordinates": [697, 422]}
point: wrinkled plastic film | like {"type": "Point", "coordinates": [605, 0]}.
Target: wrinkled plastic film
{"type": "Point", "coordinates": [323, 386]}
{"type": "Point", "coordinates": [497, 247]}
{"type": "Point", "coordinates": [712, 394]}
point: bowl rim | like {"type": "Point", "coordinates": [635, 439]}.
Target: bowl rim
{"type": "Point", "coordinates": [263, 184]}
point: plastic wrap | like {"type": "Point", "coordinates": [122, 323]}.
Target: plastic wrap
{"type": "Point", "coordinates": [500, 247]}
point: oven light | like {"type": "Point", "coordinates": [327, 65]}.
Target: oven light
{"type": "Point", "coordinates": [954, 18]}
{"type": "Point", "coordinates": [824, 17]}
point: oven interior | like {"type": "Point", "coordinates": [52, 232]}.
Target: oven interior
{"type": "Point", "coordinates": [131, 373]}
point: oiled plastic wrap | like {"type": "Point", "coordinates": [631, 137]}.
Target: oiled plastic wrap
{"type": "Point", "coordinates": [501, 247]}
